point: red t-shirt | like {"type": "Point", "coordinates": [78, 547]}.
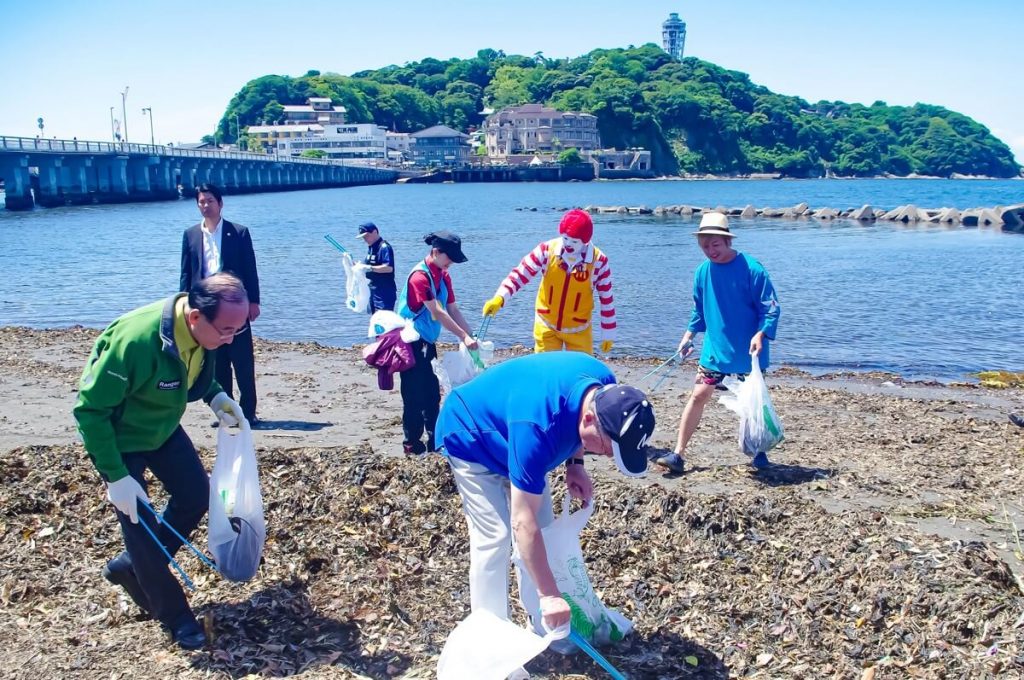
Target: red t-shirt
{"type": "Point", "coordinates": [419, 286]}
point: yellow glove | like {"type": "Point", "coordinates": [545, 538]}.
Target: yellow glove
{"type": "Point", "coordinates": [606, 346]}
{"type": "Point", "coordinates": [492, 306]}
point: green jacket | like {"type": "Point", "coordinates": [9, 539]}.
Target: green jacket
{"type": "Point", "coordinates": [134, 388]}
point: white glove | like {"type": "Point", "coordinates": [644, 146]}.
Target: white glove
{"type": "Point", "coordinates": [227, 410]}
{"type": "Point", "coordinates": [361, 267]}
{"type": "Point", "coordinates": [125, 494]}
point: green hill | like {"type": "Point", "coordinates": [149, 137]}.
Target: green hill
{"type": "Point", "coordinates": [694, 116]}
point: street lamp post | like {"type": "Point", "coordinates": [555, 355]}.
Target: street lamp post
{"type": "Point", "coordinates": [149, 109]}
{"type": "Point", "coordinates": [113, 136]}
{"type": "Point", "coordinates": [124, 112]}
{"type": "Point", "coordinates": [238, 134]}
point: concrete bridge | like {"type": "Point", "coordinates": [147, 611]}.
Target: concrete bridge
{"type": "Point", "coordinates": [55, 172]}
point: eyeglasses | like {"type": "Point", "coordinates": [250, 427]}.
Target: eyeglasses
{"type": "Point", "coordinates": [225, 336]}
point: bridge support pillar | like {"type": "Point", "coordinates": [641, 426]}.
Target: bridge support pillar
{"type": "Point", "coordinates": [111, 179]}
{"type": "Point", "coordinates": [50, 193]}
{"type": "Point", "coordinates": [17, 183]}
{"type": "Point", "coordinates": [204, 172]}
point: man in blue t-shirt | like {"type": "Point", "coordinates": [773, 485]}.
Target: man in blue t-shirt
{"type": "Point", "coordinates": [504, 431]}
{"type": "Point", "coordinates": [380, 268]}
{"type": "Point", "coordinates": [735, 306]}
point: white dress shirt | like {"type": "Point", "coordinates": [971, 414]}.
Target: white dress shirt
{"type": "Point", "coordinates": [211, 248]}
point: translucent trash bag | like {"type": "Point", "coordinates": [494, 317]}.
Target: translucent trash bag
{"type": "Point", "coordinates": [462, 366]}
{"type": "Point", "coordinates": [237, 530]}
{"type": "Point", "coordinates": [760, 427]}
{"type": "Point", "coordinates": [485, 647]}
{"type": "Point", "coordinates": [357, 287]}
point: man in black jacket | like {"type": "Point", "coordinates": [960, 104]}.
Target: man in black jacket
{"type": "Point", "coordinates": [216, 245]}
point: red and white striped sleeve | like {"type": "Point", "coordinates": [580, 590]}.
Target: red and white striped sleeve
{"type": "Point", "coordinates": [603, 286]}
{"type": "Point", "coordinates": [536, 262]}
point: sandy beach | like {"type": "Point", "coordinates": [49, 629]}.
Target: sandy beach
{"type": "Point", "coordinates": [885, 543]}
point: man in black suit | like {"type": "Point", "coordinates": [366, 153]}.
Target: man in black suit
{"type": "Point", "coordinates": [216, 245]}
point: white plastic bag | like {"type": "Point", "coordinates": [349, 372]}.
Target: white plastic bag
{"type": "Point", "coordinates": [593, 621]}
{"type": "Point", "coordinates": [237, 529]}
{"type": "Point", "coordinates": [760, 426]}
{"type": "Point", "coordinates": [357, 287]}
{"type": "Point", "coordinates": [384, 320]}
{"type": "Point", "coordinates": [485, 647]}
{"type": "Point", "coordinates": [462, 366]}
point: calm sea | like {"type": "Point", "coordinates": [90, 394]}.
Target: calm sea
{"type": "Point", "coordinates": [926, 301]}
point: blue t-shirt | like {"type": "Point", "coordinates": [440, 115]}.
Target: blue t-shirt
{"type": "Point", "coordinates": [520, 419]}
{"type": "Point", "coordinates": [732, 302]}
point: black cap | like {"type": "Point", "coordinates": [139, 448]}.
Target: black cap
{"type": "Point", "coordinates": [448, 243]}
{"type": "Point", "coordinates": [627, 417]}
{"type": "Point", "coordinates": [366, 228]}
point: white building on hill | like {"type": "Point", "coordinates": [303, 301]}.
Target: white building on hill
{"type": "Point", "coordinates": [360, 143]}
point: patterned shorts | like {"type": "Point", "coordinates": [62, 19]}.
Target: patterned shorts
{"type": "Point", "coordinates": [705, 376]}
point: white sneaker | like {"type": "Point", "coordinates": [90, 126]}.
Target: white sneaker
{"type": "Point", "coordinates": [519, 674]}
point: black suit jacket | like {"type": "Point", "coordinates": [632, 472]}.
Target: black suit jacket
{"type": "Point", "coordinates": [236, 257]}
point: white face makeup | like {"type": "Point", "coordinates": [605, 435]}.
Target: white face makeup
{"type": "Point", "coordinates": [572, 245]}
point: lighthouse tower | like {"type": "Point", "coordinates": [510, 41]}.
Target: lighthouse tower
{"type": "Point", "coordinates": [673, 35]}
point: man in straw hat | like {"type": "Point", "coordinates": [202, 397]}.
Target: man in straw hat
{"type": "Point", "coordinates": [735, 306]}
{"type": "Point", "coordinates": [571, 270]}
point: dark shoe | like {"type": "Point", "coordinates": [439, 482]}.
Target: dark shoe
{"type": "Point", "coordinates": [413, 448]}
{"type": "Point", "coordinates": [257, 424]}
{"type": "Point", "coordinates": [189, 635]}
{"type": "Point", "coordinates": [673, 462]}
{"type": "Point", "coordinates": [124, 576]}
{"type": "Point", "coordinates": [1017, 420]}
{"type": "Point", "coordinates": [760, 461]}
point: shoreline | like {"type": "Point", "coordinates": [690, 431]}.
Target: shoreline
{"type": "Point", "coordinates": [969, 379]}
{"type": "Point", "coordinates": [889, 512]}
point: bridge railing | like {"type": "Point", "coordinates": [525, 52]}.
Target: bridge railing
{"type": "Point", "coordinates": [72, 146]}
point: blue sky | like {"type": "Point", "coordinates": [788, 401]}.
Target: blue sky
{"type": "Point", "coordinates": [69, 61]}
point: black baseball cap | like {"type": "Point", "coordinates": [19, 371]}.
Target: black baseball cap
{"type": "Point", "coordinates": [627, 417]}
{"type": "Point", "coordinates": [448, 243]}
{"type": "Point", "coordinates": [366, 228]}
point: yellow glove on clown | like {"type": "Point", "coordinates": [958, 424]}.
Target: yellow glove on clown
{"type": "Point", "coordinates": [492, 306]}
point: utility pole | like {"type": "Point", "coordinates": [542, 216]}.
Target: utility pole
{"type": "Point", "coordinates": [238, 133]}
{"type": "Point", "coordinates": [150, 110]}
{"type": "Point", "coordinates": [124, 112]}
{"type": "Point", "coordinates": [113, 137]}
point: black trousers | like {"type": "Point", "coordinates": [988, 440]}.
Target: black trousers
{"type": "Point", "coordinates": [176, 464]}
{"type": "Point", "coordinates": [238, 355]}
{"type": "Point", "coordinates": [421, 397]}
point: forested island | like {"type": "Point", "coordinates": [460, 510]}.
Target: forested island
{"type": "Point", "coordinates": [694, 116]}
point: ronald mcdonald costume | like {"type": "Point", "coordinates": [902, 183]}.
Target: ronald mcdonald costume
{"type": "Point", "coordinates": [571, 270]}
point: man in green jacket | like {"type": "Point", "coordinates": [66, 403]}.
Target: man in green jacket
{"type": "Point", "coordinates": [144, 369]}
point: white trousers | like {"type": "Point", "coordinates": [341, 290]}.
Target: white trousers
{"type": "Point", "coordinates": [486, 502]}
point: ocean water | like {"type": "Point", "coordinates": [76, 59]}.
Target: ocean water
{"type": "Point", "coordinates": [926, 301]}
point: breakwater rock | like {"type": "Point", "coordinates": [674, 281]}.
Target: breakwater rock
{"type": "Point", "coordinates": [1010, 218]}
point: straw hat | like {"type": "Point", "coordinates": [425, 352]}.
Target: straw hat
{"type": "Point", "coordinates": [714, 224]}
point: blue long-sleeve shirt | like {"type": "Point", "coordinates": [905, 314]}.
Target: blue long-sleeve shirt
{"type": "Point", "coordinates": [732, 302]}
